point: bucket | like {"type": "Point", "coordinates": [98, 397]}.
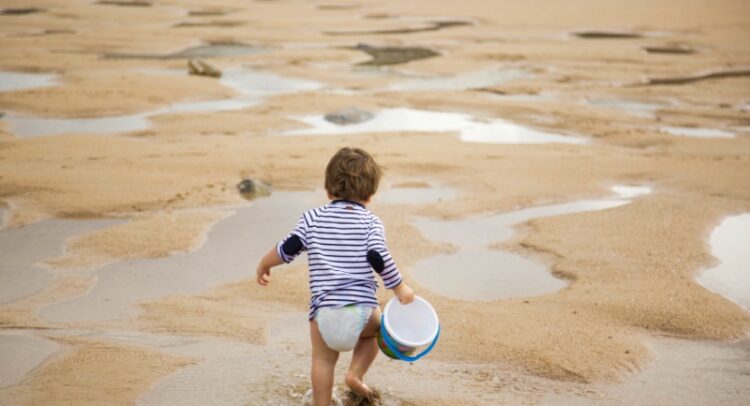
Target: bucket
{"type": "Point", "coordinates": [405, 328]}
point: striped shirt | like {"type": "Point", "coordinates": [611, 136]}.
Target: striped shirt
{"type": "Point", "coordinates": [337, 238]}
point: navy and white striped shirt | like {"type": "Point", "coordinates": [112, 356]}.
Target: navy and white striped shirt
{"type": "Point", "coordinates": [337, 238]}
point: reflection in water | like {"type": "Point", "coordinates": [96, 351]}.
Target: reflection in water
{"type": "Point", "coordinates": [470, 129]}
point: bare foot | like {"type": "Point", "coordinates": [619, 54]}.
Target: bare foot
{"type": "Point", "coordinates": [356, 385]}
{"type": "Point", "coordinates": [352, 398]}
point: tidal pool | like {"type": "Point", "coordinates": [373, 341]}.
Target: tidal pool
{"type": "Point", "coordinates": [476, 272]}
{"type": "Point", "coordinates": [635, 108]}
{"type": "Point", "coordinates": [23, 247]}
{"type": "Point", "coordinates": [470, 80]}
{"type": "Point", "coordinates": [471, 129]}
{"type": "Point", "coordinates": [10, 81]}
{"type": "Point", "coordinates": [231, 250]}
{"type": "Point", "coordinates": [251, 87]}
{"type": "Point", "coordinates": [20, 352]}
{"type": "Point", "coordinates": [730, 244]}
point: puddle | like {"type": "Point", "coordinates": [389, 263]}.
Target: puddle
{"type": "Point", "coordinates": [232, 247]}
{"type": "Point", "coordinates": [10, 81]}
{"type": "Point", "coordinates": [697, 132]}
{"type": "Point", "coordinates": [23, 247]}
{"type": "Point", "coordinates": [513, 274]}
{"type": "Point", "coordinates": [20, 353]}
{"type": "Point", "coordinates": [730, 244]}
{"type": "Point", "coordinates": [636, 108]}
{"type": "Point", "coordinates": [382, 56]}
{"type": "Point", "coordinates": [471, 80]}
{"type": "Point", "coordinates": [251, 87]}
{"type": "Point", "coordinates": [216, 50]}
{"type": "Point", "coordinates": [494, 131]}
{"type": "Point", "coordinates": [684, 373]}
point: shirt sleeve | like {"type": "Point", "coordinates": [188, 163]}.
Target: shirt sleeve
{"type": "Point", "coordinates": [376, 241]}
{"type": "Point", "coordinates": [296, 242]}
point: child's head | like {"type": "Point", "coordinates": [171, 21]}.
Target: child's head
{"type": "Point", "coordinates": [352, 174]}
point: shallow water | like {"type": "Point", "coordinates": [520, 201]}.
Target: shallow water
{"type": "Point", "coordinates": [475, 272]}
{"type": "Point", "coordinates": [230, 253]}
{"type": "Point", "coordinates": [199, 51]}
{"type": "Point", "coordinates": [471, 80]}
{"type": "Point", "coordinates": [697, 132]}
{"type": "Point", "coordinates": [20, 352]}
{"type": "Point", "coordinates": [470, 129]}
{"type": "Point", "coordinates": [730, 244]}
{"type": "Point", "coordinates": [250, 87]}
{"type": "Point", "coordinates": [23, 247]}
{"type": "Point", "coordinates": [10, 81]}
{"type": "Point", "coordinates": [636, 108]}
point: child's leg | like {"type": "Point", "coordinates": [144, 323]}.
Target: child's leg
{"type": "Point", "coordinates": [364, 354]}
{"type": "Point", "coordinates": [323, 367]}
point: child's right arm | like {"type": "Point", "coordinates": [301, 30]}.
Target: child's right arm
{"type": "Point", "coordinates": [270, 260]}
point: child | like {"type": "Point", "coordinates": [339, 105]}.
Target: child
{"type": "Point", "coordinates": [345, 242]}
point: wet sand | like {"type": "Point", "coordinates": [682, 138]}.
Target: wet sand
{"type": "Point", "coordinates": [127, 246]}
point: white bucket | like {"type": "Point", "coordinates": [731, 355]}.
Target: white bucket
{"type": "Point", "coordinates": [407, 327]}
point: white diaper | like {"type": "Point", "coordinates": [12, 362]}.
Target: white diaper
{"type": "Point", "coordinates": [341, 326]}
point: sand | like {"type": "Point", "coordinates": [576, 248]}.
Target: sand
{"type": "Point", "coordinates": [630, 270]}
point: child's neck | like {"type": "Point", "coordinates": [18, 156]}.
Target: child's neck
{"type": "Point", "coordinates": [359, 202]}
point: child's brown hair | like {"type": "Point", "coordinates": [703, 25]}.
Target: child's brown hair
{"type": "Point", "coordinates": [352, 174]}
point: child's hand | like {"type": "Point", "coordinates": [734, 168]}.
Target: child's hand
{"type": "Point", "coordinates": [263, 275]}
{"type": "Point", "coordinates": [404, 293]}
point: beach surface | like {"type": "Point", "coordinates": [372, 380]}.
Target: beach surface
{"type": "Point", "coordinates": [555, 177]}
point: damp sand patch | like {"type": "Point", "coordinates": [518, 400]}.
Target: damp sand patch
{"type": "Point", "coordinates": [470, 129]}
{"type": "Point", "coordinates": [684, 373]}
{"type": "Point", "coordinates": [477, 272]}
{"type": "Point", "coordinates": [414, 193]}
{"type": "Point", "coordinates": [730, 244]}
{"type": "Point", "coordinates": [19, 11]}
{"type": "Point", "coordinates": [251, 87]}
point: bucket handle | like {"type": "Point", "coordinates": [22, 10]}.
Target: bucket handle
{"type": "Point", "coordinates": [403, 357]}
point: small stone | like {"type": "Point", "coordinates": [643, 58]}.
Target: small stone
{"type": "Point", "coordinates": [200, 68]}
{"type": "Point", "coordinates": [250, 189]}
{"type": "Point", "coordinates": [347, 116]}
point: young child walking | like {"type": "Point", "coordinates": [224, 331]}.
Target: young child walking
{"type": "Point", "coordinates": [345, 243]}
